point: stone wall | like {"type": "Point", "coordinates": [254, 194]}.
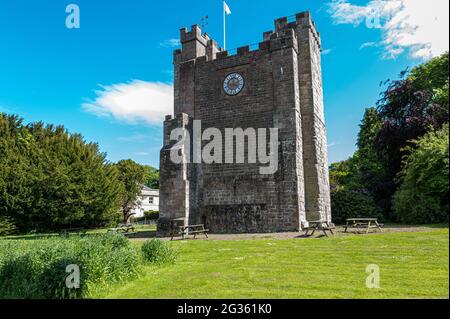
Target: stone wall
{"type": "Point", "coordinates": [317, 188]}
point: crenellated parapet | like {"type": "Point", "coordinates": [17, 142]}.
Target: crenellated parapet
{"type": "Point", "coordinates": [302, 20]}
{"type": "Point", "coordinates": [195, 34]}
{"type": "Point", "coordinates": [199, 45]}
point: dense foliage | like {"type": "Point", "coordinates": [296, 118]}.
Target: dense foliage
{"type": "Point", "coordinates": [158, 252]}
{"type": "Point", "coordinates": [151, 215]}
{"type": "Point", "coordinates": [38, 268]}
{"type": "Point", "coordinates": [51, 179]}
{"type": "Point", "coordinates": [7, 226]}
{"type": "Point", "coordinates": [355, 182]}
{"type": "Point", "coordinates": [409, 109]}
{"type": "Point", "coordinates": [132, 175]}
{"type": "Point", "coordinates": [423, 195]}
{"type": "Point", "coordinates": [151, 177]}
{"type": "Point", "coordinates": [353, 204]}
{"type": "Point", "coordinates": [349, 198]}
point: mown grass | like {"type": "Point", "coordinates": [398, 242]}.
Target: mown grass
{"type": "Point", "coordinates": [413, 265]}
{"type": "Point", "coordinates": [145, 229]}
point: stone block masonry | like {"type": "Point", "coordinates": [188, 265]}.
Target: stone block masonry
{"type": "Point", "coordinates": [283, 90]}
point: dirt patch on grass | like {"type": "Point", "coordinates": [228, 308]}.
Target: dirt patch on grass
{"type": "Point", "coordinates": [300, 235]}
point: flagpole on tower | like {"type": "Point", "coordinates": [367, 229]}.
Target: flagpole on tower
{"type": "Point", "coordinates": [226, 11]}
{"type": "Point", "coordinates": [224, 28]}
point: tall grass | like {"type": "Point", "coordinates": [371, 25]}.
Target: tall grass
{"type": "Point", "coordinates": [37, 268]}
{"type": "Point", "coordinates": [158, 252]}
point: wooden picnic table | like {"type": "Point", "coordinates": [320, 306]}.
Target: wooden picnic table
{"type": "Point", "coordinates": [363, 223]}
{"type": "Point", "coordinates": [184, 231]}
{"type": "Point", "coordinates": [320, 225]}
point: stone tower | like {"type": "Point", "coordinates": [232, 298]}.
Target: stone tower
{"type": "Point", "coordinates": [283, 90]}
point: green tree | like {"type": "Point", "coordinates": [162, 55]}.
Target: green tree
{"type": "Point", "coordinates": [423, 195]}
{"type": "Point", "coordinates": [51, 179]}
{"type": "Point", "coordinates": [409, 108]}
{"type": "Point", "coordinates": [347, 203]}
{"type": "Point", "coordinates": [431, 75]}
{"type": "Point", "coordinates": [151, 177]}
{"type": "Point", "coordinates": [368, 164]}
{"type": "Point", "coordinates": [7, 226]}
{"type": "Point", "coordinates": [355, 183]}
{"type": "Point", "coordinates": [344, 176]}
{"type": "Point", "coordinates": [132, 176]}
{"type": "Point", "coordinates": [349, 197]}
{"type": "Point", "coordinates": [362, 171]}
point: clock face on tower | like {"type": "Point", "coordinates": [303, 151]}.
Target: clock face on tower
{"type": "Point", "coordinates": [233, 84]}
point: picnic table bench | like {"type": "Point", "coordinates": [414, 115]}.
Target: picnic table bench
{"type": "Point", "coordinates": [363, 223]}
{"type": "Point", "coordinates": [184, 231]}
{"type": "Point", "coordinates": [126, 229]}
{"type": "Point", "coordinates": [319, 225]}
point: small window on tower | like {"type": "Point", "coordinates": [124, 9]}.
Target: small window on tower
{"type": "Point", "coordinates": [150, 200]}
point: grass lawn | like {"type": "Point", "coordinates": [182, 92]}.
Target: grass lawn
{"type": "Point", "coordinates": [144, 230]}
{"type": "Point", "coordinates": [412, 265]}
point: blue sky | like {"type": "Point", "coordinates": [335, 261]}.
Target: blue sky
{"type": "Point", "coordinates": [122, 55]}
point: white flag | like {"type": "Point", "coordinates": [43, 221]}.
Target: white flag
{"type": "Point", "coordinates": [226, 8]}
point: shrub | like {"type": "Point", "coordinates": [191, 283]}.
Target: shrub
{"type": "Point", "coordinates": [7, 226]}
{"type": "Point", "coordinates": [423, 195]}
{"type": "Point", "coordinates": [353, 204]}
{"type": "Point", "coordinates": [37, 269]}
{"type": "Point", "coordinates": [158, 252]}
{"type": "Point", "coordinates": [152, 215]}
{"type": "Point", "coordinates": [115, 241]}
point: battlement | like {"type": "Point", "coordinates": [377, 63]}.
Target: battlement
{"type": "Point", "coordinates": [194, 35]}
{"type": "Point", "coordinates": [300, 20]}
{"type": "Point", "coordinates": [272, 41]}
{"type": "Point", "coordinates": [198, 45]}
{"type": "Point", "coordinates": [195, 44]}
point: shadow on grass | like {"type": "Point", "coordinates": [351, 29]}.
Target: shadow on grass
{"type": "Point", "coordinates": [437, 226]}
{"type": "Point", "coordinates": [29, 237]}
{"type": "Point", "coordinates": [143, 235]}
{"type": "Point", "coordinates": [139, 235]}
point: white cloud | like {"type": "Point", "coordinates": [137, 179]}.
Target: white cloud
{"type": "Point", "coordinates": [170, 43]}
{"type": "Point", "coordinates": [326, 51]}
{"type": "Point", "coordinates": [416, 26]}
{"type": "Point", "coordinates": [367, 45]}
{"type": "Point", "coordinates": [133, 102]}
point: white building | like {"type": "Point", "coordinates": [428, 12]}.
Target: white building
{"type": "Point", "coordinates": [148, 200]}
